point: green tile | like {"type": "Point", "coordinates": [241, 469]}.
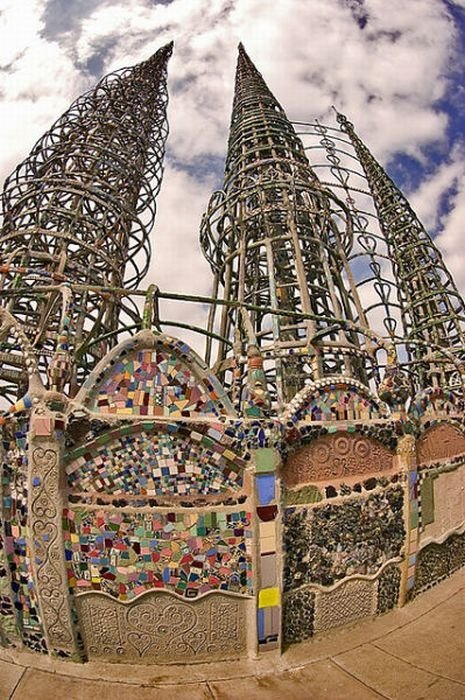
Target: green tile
{"type": "Point", "coordinates": [427, 501]}
{"type": "Point", "coordinates": [266, 459]}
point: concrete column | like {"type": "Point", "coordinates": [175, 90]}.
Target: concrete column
{"type": "Point", "coordinates": [45, 495]}
{"type": "Point", "coordinates": [406, 454]}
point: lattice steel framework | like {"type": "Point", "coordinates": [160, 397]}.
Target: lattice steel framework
{"type": "Point", "coordinates": [79, 210]}
{"type": "Point", "coordinates": [276, 238]}
{"type": "Point", "coordinates": [433, 311]}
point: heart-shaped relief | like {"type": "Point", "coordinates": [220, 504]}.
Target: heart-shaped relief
{"type": "Point", "coordinates": [140, 641]}
{"type": "Point", "coordinates": [197, 640]}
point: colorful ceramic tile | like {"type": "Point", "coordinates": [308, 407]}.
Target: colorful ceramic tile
{"type": "Point", "coordinates": [125, 554]}
{"type": "Point", "coordinates": [157, 383]}
{"type": "Point", "coordinates": [22, 600]}
{"type": "Point", "coordinates": [336, 402]}
{"type": "Point", "coordinates": [266, 459]}
{"type": "Point", "coordinates": [268, 597]}
{"type": "Point", "coordinates": [177, 460]}
{"type": "Point", "coordinates": [265, 488]}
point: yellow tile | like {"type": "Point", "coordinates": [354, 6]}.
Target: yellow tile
{"type": "Point", "coordinates": [268, 597]}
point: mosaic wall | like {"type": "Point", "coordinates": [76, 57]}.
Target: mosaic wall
{"type": "Point", "coordinates": [337, 457]}
{"type": "Point", "coordinates": [440, 442]}
{"type": "Point", "coordinates": [157, 383]}
{"type": "Point", "coordinates": [433, 401]}
{"type": "Point", "coordinates": [22, 597]}
{"type": "Point", "coordinates": [160, 628]}
{"type": "Point", "coordinates": [309, 610]}
{"type": "Point", "coordinates": [437, 561]}
{"type": "Point", "coordinates": [8, 631]}
{"type": "Point", "coordinates": [125, 554]}
{"type": "Point", "coordinates": [177, 461]}
{"type": "Point", "coordinates": [388, 589]}
{"type": "Point", "coordinates": [328, 542]}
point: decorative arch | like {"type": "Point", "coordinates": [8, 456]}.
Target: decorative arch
{"type": "Point", "coordinates": [434, 401]}
{"type": "Point", "coordinates": [154, 376]}
{"type": "Point", "coordinates": [332, 399]}
{"type": "Point", "coordinates": [335, 457]}
{"type": "Point", "coordinates": [154, 460]}
{"type": "Point", "coordinates": [440, 442]}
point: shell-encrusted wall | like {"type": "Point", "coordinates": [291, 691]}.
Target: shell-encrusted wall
{"type": "Point", "coordinates": [144, 521]}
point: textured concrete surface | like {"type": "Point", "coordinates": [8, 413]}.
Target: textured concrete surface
{"type": "Point", "coordinates": [416, 652]}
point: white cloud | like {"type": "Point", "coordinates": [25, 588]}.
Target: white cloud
{"type": "Point", "coordinates": [385, 67]}
{"type": "Point", "coordinates": [426, 200]}
{"type": "Point", "coordinates": [450, 239]}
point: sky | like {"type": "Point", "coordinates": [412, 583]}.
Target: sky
{"type": "Point", "coordinates": [395, 68]}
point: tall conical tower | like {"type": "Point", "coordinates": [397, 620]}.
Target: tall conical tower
{"type": "Point", "coordinates": [77, 211]}
{"type": "Point", "coordinates": [433, 311]}
{"type": "Point", "coordinates": [276, 241]}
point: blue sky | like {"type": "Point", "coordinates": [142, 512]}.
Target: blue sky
{"type": "Point", "coordinates": [395, 68]}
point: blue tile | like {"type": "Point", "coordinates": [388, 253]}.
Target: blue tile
{"type": "Point", "coordinates": [265, 488]}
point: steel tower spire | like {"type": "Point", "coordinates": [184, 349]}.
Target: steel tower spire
{"type": "Point", "coordinates": [78, 211]}
{"type": "Point", "coordinates": [276, 239]}
{"type": "Point", "coordinates": [432, 308]}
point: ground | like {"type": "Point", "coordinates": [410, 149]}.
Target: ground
{"type": "Point", "coordinates": [416, 652]}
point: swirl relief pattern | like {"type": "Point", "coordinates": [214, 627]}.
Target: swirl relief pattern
{"type": "Point", "coordinates": [334, 457]}
{"type": "Point", "coordinates": [47, 548]}
{"type": "Point", "coordinates": [440, 442]}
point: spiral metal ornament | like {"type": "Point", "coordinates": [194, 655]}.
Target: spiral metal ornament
{"type": "Point", "coordinates": [78, 211]}
{"type": "Point", "coordinates": [432, 309]}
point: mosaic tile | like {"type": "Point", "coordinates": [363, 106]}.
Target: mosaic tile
{"type": "Point", "coordinates": [14, 496]}
{"type": "Point", "coordinates": [125, 554]}
{"type": "Point", "coordinates": [430, 401]}
{"type": "Point", "coordinates": [268, 570]}
{"type": "Point", "coordinates": [437, 561]}
{"type": "Point", "coordinates": [266, 459]}
{"type": "Point", "coordinates": [298, 616]}
{"type": "Point", "coordinates": [268, 597]}
{"type": "Point", "coordinates": [265, 488]}
{"type": "Point", "coordinates": [336, 402]}
{"type": "Point", "coordinates": [156, 383]}
{"type": "Point", "coordinates": [268, 626]}
{"type": "Point", "coordinates": [388, 589]}
{"type": "Point", "coordinates": [8, 631]}
{"type": "Point", "coordinates": [175, 461]}
{"type": "Point", "coordinates": [326, 543]}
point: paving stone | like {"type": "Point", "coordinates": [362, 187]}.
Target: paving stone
{"type": "Point", "coordinates": [39, 685]}
{"type": "Point", "coordinates": [444, 628]}
{"type": "Point", "coordinates": [319, 681]}
{"type": "Point", "coordinates": [389, 676]}
{"type": "Point", "coordinates": [9, 676]}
